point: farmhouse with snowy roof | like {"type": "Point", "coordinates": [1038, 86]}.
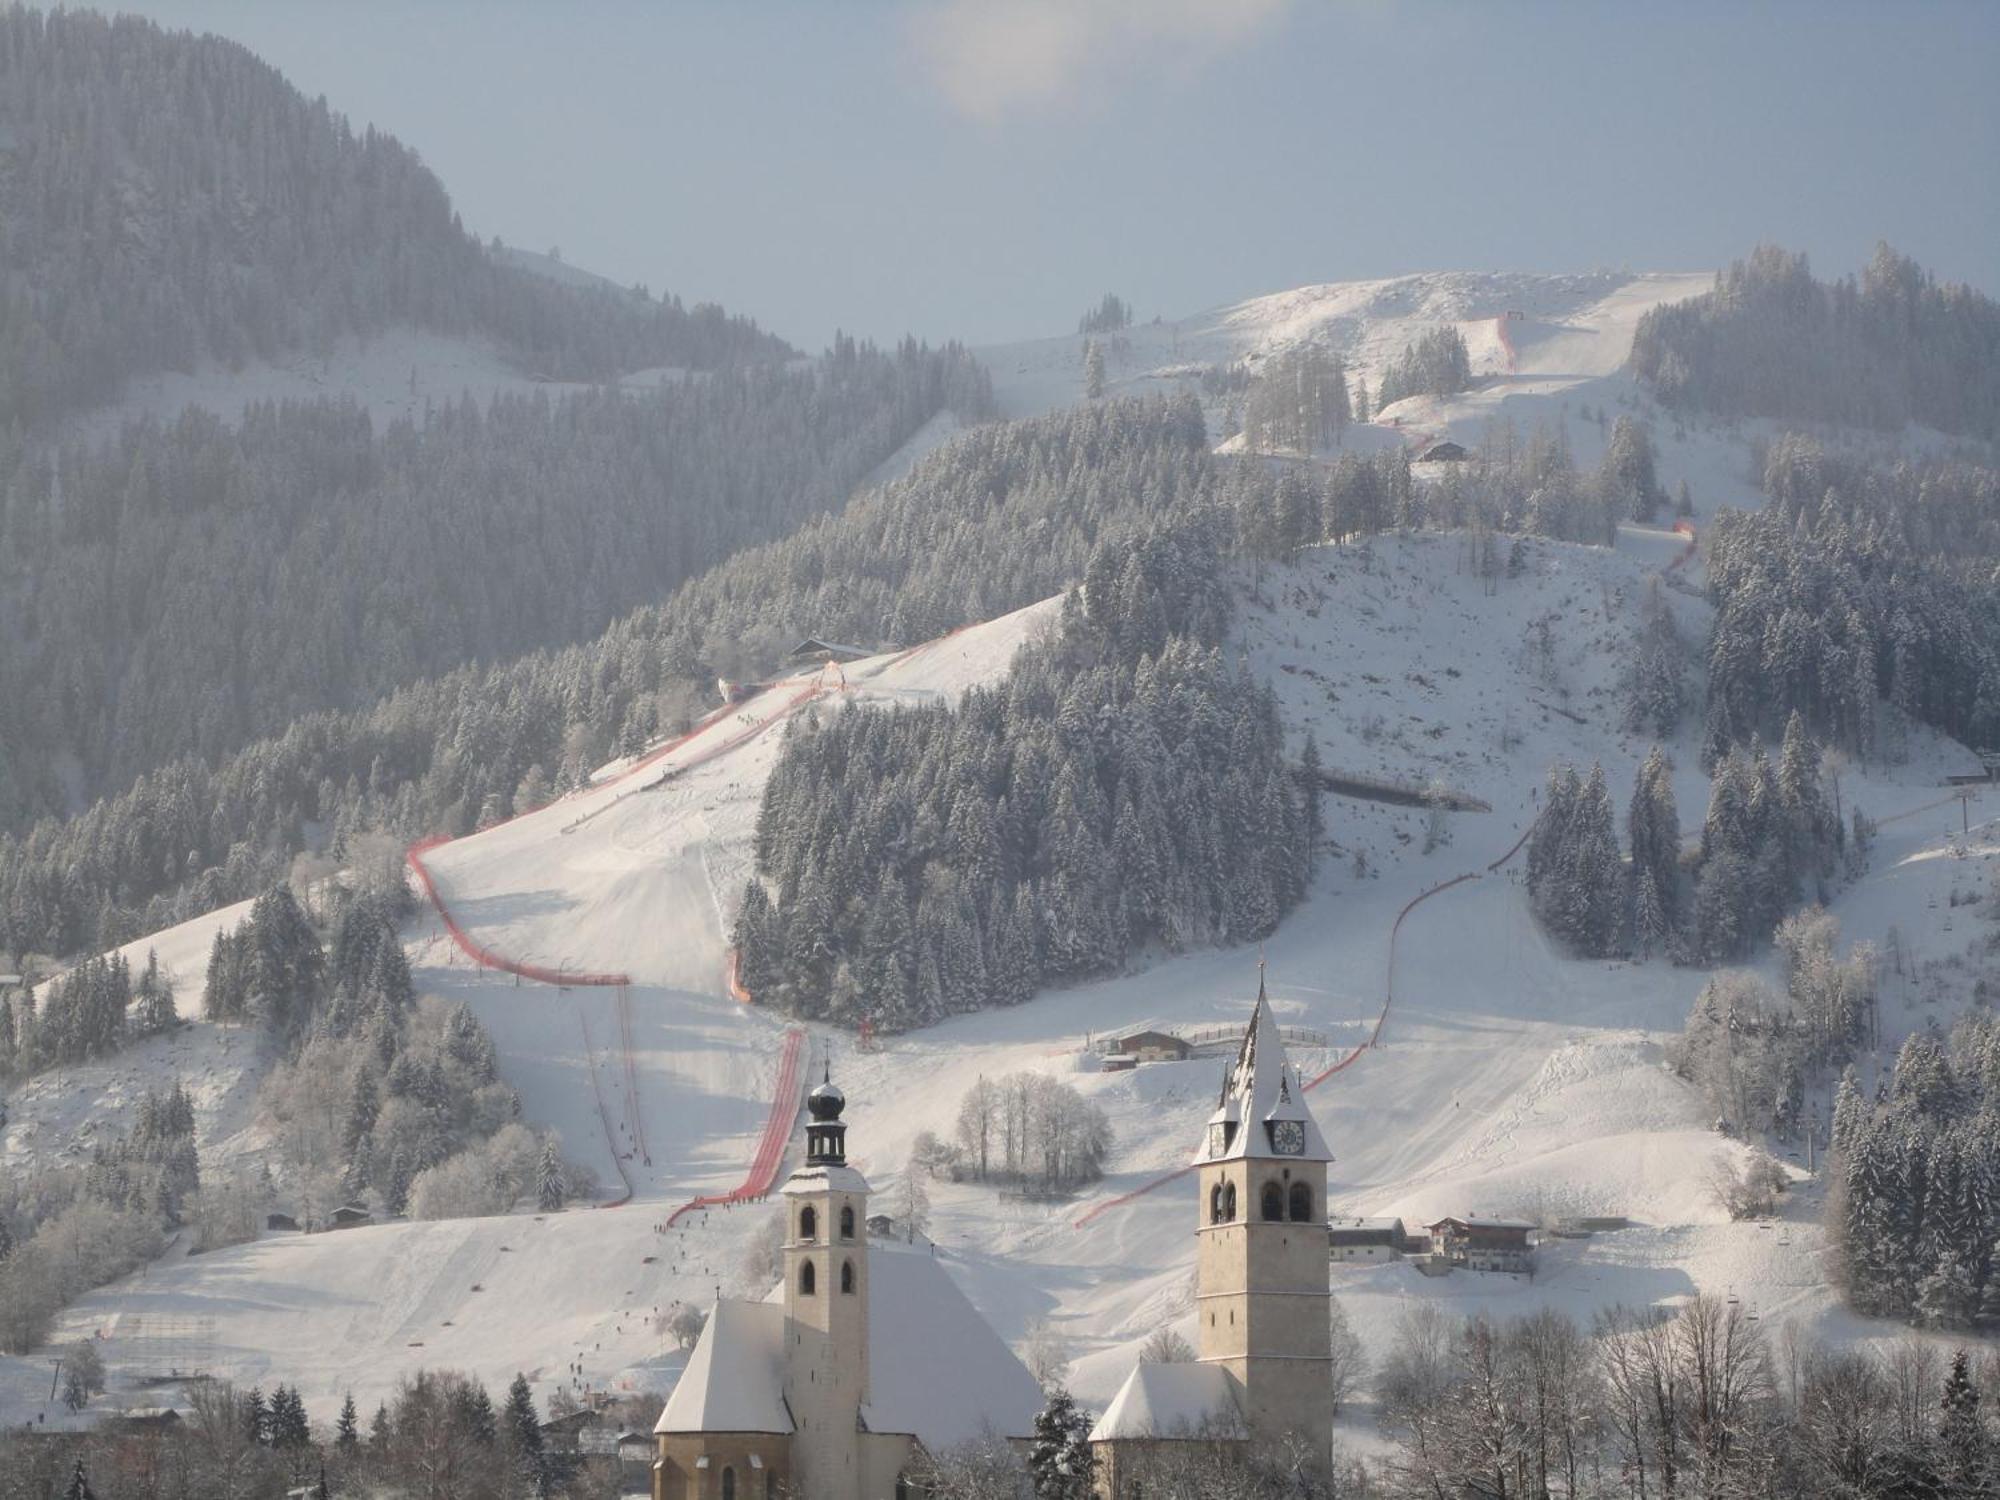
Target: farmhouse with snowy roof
{"type": "Point", "coordinates": [1263, 1378]}
{"type": "Point", "coordinates": [830, 1386]}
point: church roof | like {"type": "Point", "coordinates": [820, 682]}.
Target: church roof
{"type": "Point", "coordinates": [730, 1383]}
{"type": "Point", "coordinates": [825, 1178]}
{"type": "Point", "coordinates": [936, 1369]}
{"type": "Point", "coordinates": [1261, 1086]}
{"type": "Point", "coordinates": [1163, 1401]}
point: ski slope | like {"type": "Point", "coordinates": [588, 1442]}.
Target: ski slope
{"type": "Point", "coordinates": [634, 873]}
{"type": "Point", "coordinates": [1510, 1078]}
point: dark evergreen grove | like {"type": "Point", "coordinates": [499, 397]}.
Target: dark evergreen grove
{"type": "Point", "coordinates": [1436, 364]}
{"type": "Point", "coordinates": [1916, 1207]}
{"type": "Point", "coordinates": [1121, 790]}
{"type": "Point", "coordinates": [1890, 347]}
{"type": "Point", "coordinates": [167, 199]}
{"type": "Point", "coordinates": [1770, 840]}
{"type": "Point", "coordinates": [1003, 516]}
{"type": "Point", "coordinates": [1856, 586]}
{"type": "Point", "coordinates": [186, 587]}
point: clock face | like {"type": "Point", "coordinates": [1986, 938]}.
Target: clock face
{"type": "Point", "coordinates": [1288, 1137]}
{"type": "Point", "coordinates": [1218, 1139]}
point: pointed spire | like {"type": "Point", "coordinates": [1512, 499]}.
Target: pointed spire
{"type": "Point", "coordinates": [1258, 1089]}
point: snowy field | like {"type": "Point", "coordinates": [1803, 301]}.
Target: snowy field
{"type": "Point", "coordinates": [1510, 1079]}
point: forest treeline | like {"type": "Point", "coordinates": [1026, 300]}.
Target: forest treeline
{"type": "Point", "coordinates": [1771, 839]}
{"type": "Point", "coordinates": [1003, 516]}
{"type": "Point", "coordinates": [439, 1434]}
{"type": "Point", "coordinates": [187, 586]}
{"type": "Point", "coordinates": [1122, 789]}
{"type": "Point", "coordinates": [168, 199]}
{"type": "Point", "coordinates": [1915, 1211]}
{"type": "Point", "coordinates": [1862, 598]}
{"type": "Point", "coordinates": [1891, 346]}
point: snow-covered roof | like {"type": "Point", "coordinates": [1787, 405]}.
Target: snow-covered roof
{"type": "Point", "coordinates": [824, 1179]}
{"type": "Point", "coordinates": [936, 1370]}
{"type": "Point", "coordinates": [1479, 1221]}
{"type": "Point", "coordinates": [732, 1382]}
{"type": "Point", "coordinates": [1261, 1087]}
{"type": "Point", "coordinates": [1158, 1401]}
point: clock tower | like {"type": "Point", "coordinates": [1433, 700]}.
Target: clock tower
{"type": "Point", "coordinates": [1261, 1272]}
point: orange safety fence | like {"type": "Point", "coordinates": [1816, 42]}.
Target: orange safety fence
{"type": "Point", "coordinates": [477, 951]}
{"type": "Point", "coordinates": [1686, 528]}
{"type": "Point", "coordinates": [771, 1144]}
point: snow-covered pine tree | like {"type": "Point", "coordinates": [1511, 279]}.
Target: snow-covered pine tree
{"type": "Point", "coordinates": [1061, 1465]}
{"type": "Point", "coordinates": [1627, 477]}
{"type": "Point", "coordinates": [551, 1191]}
{"type": "Point", "coordinates": [256, 1418]}
{"type": "Point", "coordinates": [1655, 692]}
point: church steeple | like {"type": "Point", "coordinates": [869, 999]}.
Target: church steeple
{"type": "Point", "coordinates": [1262, 1111]}
{"type": "Point", "coordinates": [1260, 1253]}
{"type": "Point", "coordinates": [826, 1303]}
{"type": "Point", "coordinates": [826, 1135]}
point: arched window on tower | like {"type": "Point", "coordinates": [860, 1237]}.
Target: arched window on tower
{"type": "Point", "coordinates": [1302, 1203]}
{"type": "Point", "coordinates": [1215, 1204]}
{"type": "Point", "coordinates": [808, 1224]}
{"type": "Point", "coordinates": [847, 1221]}
{"type": "Point", "coordinates": [1274, 1203]}
{"type": "Point", "coordinates": [1229, 1203]}
{"type": "Point", "coordinates": [847, 1276]}
{"type": "Point", "coordinates": [728, 1484]}
{"type": "Point", "coordinates": [806, 1279]}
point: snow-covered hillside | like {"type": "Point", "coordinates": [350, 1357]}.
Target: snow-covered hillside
{"type": "Point", "coordinates": [1545, 349]}
{"type": "Point", "coordinates": [1510, 1078]}
{"type": "Point", "coordinates": [1527, 333]}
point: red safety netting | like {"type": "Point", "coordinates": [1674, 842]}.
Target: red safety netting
{"type": "Point", "coordinates": [771, 1144]}
{"type": "Point", "coordinates": [1686, 528]}
{"type": "Point", "coordinates": [477, 951]}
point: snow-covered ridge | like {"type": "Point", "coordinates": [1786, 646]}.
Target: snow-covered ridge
{"type": "Point", "coordinates": [1569, 326]}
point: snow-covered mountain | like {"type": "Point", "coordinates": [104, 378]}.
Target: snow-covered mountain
{"type": "Point", "coordinates": [1509, 1078]}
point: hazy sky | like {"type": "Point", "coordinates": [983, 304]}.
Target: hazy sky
{"type": "Point", "coordinates": [986, 168]}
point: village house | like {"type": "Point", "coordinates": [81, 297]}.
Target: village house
{"type": "Point", "coordinates": [1366, 1239]}
{"type": "Point", "coordinates": [1478, 1243]}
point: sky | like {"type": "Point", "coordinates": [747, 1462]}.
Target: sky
{"type": "Point", "coordinates": [986, 169]}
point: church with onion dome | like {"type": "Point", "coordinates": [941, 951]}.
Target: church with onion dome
{"type": "Point", "coordinates": [862, 1358]}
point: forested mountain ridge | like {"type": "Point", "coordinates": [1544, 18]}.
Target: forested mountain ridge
{"type": "Point", "coordinates": [188, 586]}
{"type": "Point", "coordinates": [1002, 517]}
{"type": "Point", "coordinates": [167, 199]}
{"type": "Point", "coordinates": [1890, 347]}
